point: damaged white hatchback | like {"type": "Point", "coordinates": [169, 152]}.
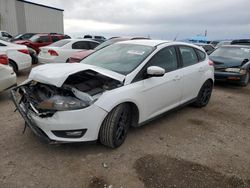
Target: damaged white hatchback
{"type": "Point", "coordinates": [125, 84]}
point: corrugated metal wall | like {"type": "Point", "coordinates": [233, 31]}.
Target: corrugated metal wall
{"type": "Point", "coordinates": [41, 19]}
{"type": "Point", "coordinates": [20, 17]}
{"type": "Point", "coordinates": [8, 16]}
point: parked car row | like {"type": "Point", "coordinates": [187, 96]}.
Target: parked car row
{"type": "Point", "coordinates": [7, 75]}
{"type": "Point", "coordinates": [19, 58]}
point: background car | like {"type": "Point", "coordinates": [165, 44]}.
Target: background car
{"type": "Point", "coordinates": [122, 85]}
{"type": "Point", "coordinates": [60, 51]}
{"type": "Point", "coordinates": [40, 40]}
{"type": "Point", "coordinates": [207, 47]}
{"type": "Point", "coordinates": [25, 36]}
{"type": "Point", "coordinates": [96, 38]}
{"type": "Point", "coordinates": [19, 57]}
{"type": "Point", "coordinates": [79, 56]}
{"type": "Point", "coordinates": [7, 75]}
{"type": "Point", "coordinates": [214, 43]}
{"type": "Point", "coordinates": [241, 42]}
{"type": "Point", "coordinates": [4, 35]}
{"type": "Point", "coordinates": [223, 43]}
{"type": "Point", "coordinates": [232, 64]}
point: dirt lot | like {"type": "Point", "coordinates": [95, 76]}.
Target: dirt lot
{"type": "Point", "coordinates": [191, 147]}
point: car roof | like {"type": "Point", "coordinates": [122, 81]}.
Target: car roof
{"type": "Point", "coordinates": [155, 43]}
{"type": "Point", "coordinates": [75, 40]}
{"type": "Point", "coordinates": [237, 46]}
{"type": "Point", "coordinates": [152, 43]}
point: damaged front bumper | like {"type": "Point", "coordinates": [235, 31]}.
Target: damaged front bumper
{"type": "Point", "coordinates": [63, 126]}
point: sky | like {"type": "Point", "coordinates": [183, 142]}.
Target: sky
{"type": "Point", "coordinates": [158, 19]}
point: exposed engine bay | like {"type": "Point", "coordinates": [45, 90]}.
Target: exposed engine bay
{"type": "Point", "coordinates": [78, 91]}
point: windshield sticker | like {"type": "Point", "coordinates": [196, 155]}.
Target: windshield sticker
{"type": "Point", "coordinates": [135, 52]}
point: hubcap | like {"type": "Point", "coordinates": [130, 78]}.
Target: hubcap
{"type": "Point", "coordinates": [122, 126]}
{"type": "Point", "coordinates": [206, 94]}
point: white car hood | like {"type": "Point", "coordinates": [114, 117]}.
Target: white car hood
{"type": "Point", "coordinates": [57, 73]}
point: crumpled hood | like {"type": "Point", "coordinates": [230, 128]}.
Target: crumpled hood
{"type": "Point", "coordinates": [56, 74]}
{"type": "Point", "coordinates": [224, 62]}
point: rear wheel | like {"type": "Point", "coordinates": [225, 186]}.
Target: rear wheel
{"type": "Point", "coordinates": [245, 83]}
{"type": "Point", "coordinates": [115, 127]}
{"type": "Point", "coordinates": [204, 94]}
{"type": "Point", "coordinates": [13, 65]}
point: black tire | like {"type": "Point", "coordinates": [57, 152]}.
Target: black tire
{"type": "Point", "coordinates": [245, 83]}
{"type": "Point", "coordinates": [67, 61]}
{"type": "Point", "coordinates": [204, 94]}
{"type": "Point", "coordinates": [115, 127]}
{"type": "Point", "coordinates": [13, 65]}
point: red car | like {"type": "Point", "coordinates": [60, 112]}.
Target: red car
{"type": "Point", "coordinates": [79, 56]}
{"type": "Point", "coordinates": [40, 40]}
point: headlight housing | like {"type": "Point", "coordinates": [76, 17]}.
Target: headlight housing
{"type": "Point", "coordinates": [236, 70]}
{"type": "Point", "coordinates": [62, 103]}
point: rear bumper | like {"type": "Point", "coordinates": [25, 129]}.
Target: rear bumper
{"type": "Point", "coordinates": [8, 82]}
{"type": "Point", "coordinates": [229, 77]}
{"type": "Point", "coordinates": [49, 60]}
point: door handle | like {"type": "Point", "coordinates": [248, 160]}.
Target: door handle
{"type": "Point", "coordinates": [176, 78]}
{"type": "Point", "coordinates": [201, 69]}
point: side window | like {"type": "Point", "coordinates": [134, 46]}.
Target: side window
{"type": "Point", "coordinates": [165, 58]}
{"type": "Point", "coordinates": [80, 45]}
{"type": "Point", "coordinates": [43, 39]}
{"type": "Point", "coordinates": [4, 34]}
{"type": "Point", "coordinates": [201, 55]}
{"type": "Point", "coordinates": [188, 55]}
{"type": "Point", "coordinates": [2, 44]}
{"type": "Point", "coordinates": [92, 45]}
{"type": "Point", "coordinates": [55, 38]}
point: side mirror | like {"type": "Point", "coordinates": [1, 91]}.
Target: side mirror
{"type": "Point", "coordinates": [155, 71]}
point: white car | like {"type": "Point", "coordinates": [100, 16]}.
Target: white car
{"type": "Point", "coordinates": [60, 51]}
{"type": "Point", "coordinates": [19, 57]}
{"type": "Point", "coordinates": [7, 75]}
{"type": "Point", "coordinates": [125, 84]}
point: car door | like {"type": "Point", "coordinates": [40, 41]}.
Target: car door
{"type": "Point", "coordinates": [192, 73]}
{"type": "Point", "coordinates": [160, 94]}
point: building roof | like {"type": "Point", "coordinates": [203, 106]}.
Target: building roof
{"type": "Point", "coordinates": [45, 6]}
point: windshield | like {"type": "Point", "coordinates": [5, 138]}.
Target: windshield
{"type": "Point", "coordinates": [121, 58]}
{"type": "Point", "coordinates": [60, 43]}
{"type": "Point", "coordinates": [232, 52]}
{"type": "Point", "coordinates": [34, 38]}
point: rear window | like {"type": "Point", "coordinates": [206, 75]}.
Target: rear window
{"type": "Point", "coordinates": [80, 45]}
{"type": "Point", "coordinates": [60, 43]}
{"type": "Point", "coordinates": [55, 38]}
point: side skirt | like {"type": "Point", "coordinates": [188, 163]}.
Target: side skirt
{"type": "Point", "coordinates": [167, 112]}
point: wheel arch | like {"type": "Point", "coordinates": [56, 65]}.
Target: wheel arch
{"type": "Point", "coordinates": [11, 60]}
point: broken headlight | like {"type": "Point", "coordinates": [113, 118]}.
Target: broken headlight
{"type": "Point", "coordinates": [62, 103]}
{"type": "Point", "coordinates": [236, 70]}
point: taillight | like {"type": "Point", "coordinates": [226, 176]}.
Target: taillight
{"type": "Point", "coordinates": [211, 63]}
{"type": "Point", "coordinates": [4, 59]}
{"type": "Point", "coordinates": [25, 51]}
{"type": "Point", "coordinates": [53, 53]}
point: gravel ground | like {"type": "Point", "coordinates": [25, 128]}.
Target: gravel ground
{"type": "Point", "coordinates": [191, 147]}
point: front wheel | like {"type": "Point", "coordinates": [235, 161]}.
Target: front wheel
{"type": "Point", "coordinates": [115, 126]}
{"type": "Point", "coordinates": [204, 94]}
